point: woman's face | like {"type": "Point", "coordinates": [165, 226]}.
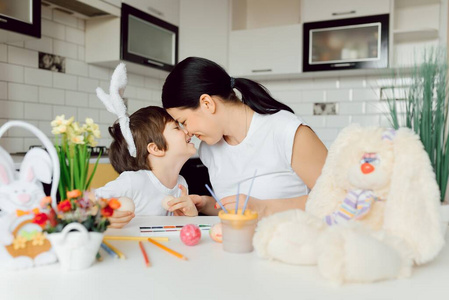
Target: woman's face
{"type": "Point", "coordinates": [197, 122]}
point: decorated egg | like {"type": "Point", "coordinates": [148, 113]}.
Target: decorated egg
{"type": "Point", "coordinates": [165, 201]}
{"type": "Point", "coordinates": [215, 233]}
{"type": "Point", "coordinates": [126, 204]}
{"type": "Point", "coordinates": [190, 235]}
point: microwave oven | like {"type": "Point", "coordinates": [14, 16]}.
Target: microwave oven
{"type": "Point", "coordinates": [147, 40]}
{"type": "Point", "coordinates": [355, 43]}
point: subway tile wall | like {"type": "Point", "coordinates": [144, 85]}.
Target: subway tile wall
{"type": "Point", "coordinates": [37, 96]}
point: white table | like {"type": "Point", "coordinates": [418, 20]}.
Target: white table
{"type": "Point", "coordinates": [210, 273]}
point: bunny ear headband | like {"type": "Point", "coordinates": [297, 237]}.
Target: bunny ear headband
{"type": "Point", "coordinates": [114, 104]}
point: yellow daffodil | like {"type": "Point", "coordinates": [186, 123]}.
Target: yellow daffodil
{"type": "Point", "coordinates": [77, 139]}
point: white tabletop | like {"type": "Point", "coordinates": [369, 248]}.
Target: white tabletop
{"type": "Point", "coordinates": [210, 273]}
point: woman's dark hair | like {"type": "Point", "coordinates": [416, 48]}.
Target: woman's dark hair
{"type": "Point", "coordinates": [195, 76]}
{"type": "Point", "coordinates": [147, 126]}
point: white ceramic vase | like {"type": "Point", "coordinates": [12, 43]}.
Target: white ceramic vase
{"type": "Point", "coordinates": [76, 250]}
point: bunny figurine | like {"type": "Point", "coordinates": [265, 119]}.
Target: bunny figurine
{"type": "Point", "coordinates": [22, 242]}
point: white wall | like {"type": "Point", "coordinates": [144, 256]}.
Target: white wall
{"type": "Point", "coordinates": [37, 96]}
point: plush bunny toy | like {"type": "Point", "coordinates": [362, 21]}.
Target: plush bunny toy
{"type": "Point", "coordinates": [22, 242]}
{"type": "Point", "coordinates": [373, 213]}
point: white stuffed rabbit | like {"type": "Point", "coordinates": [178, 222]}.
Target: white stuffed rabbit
{"type": "Point", "coordinates": [22, 243]}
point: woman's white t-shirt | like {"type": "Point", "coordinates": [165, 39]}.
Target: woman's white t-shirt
{"type": "Point", "coordinates": [268, 149]}
{"type": "Point", "coordinates": [144, 189]}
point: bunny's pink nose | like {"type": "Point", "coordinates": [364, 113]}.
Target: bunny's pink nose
{"type": "Point", "coordinates": [24, 198]}
{"type": "Point", "coordinates": [367, 168]}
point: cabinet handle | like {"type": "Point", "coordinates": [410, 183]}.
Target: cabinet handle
{"type": "Point", "coordinates": [155, 11]}
{"type": "Point", "coordinates": [344, 13]}
{"type": "Point", "coordinates": [3, 20]}
{"type": "Point", "coordinates": [154, 62]}
{"type": "Point", "coordinates": [261, 70]}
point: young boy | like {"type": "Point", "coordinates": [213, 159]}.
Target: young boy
{"type": "Point", "coordinates": [161, 149]}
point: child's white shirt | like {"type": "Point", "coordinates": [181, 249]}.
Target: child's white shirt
{"type": "Point", "coordinates": [268, 148]}
{"type": "Point", "coordinates": [144, 188]}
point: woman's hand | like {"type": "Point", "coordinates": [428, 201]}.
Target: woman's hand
{"type": "Point", "coordinates": [120, 218]}
{"type": "Point", "coordinates": [184, 205]}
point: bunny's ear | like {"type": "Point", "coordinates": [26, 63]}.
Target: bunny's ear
{"type": "Point", "coordinates": [36, 165]}
{"type": "Point", "coordinates": [6, 167]}
{"type": "Point", "coordinates": [325, 195]}
{"type": "Point", "coordinates": [413, 203]}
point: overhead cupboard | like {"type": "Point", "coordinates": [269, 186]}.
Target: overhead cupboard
{"type": "Point", "coordinates": [303, 38]}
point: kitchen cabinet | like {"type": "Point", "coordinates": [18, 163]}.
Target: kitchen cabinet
{"type": "Point", "coordinates": [323, 10]}
{"type": "Point", "coordinates": [206, 36]}
{"type": "Point", "coordinates": [418, 25]}
{"type": "Point", "coordinates": [89, 8]}
{"type": "Point", "coordinates": [20, 20]}
{"type": "Point", "coordinates": [167, 10]}
{"type": "Point", "coordinates": [271, 50]}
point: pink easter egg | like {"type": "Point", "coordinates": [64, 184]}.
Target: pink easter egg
{"type": "Point", "coordinates": [215, 233]}
{"type": "Point", "coordinates": [190, 234]}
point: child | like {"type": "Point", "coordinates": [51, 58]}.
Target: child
{"type": "Point", "coordinates": [148, 151]}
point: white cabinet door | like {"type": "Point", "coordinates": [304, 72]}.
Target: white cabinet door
{"type": "Point", "coordinates": [273, 50]}
{"type": "Point", "coordinates": [205, 36]}
{"type": "Point", "coordinates": [167, 10]}
{"type": "Point", "coordinates": [322, 10]}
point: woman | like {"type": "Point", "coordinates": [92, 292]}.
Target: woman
{"type": "Point", "coordinates": [242, 136]}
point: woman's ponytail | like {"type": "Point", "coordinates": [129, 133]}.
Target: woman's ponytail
{"type": "Point", "coordinates": [257, 97]}
{"type": "Point", "coordinates": [195, 76]}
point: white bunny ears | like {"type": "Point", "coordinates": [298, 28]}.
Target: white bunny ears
{"type": "Point", "coordinates": [114, 104]}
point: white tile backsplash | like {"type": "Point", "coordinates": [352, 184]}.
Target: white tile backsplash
{"type": "Point", "coordinates": [3, 52]}
{"type": "Point", "coordinates": [77, 99]}
{"type": "Point", "coordinates": [76, 67]}
{"type": "Point", "coordinates": [51, 96]}
{"type": "Point", "coordinates": [74, 35]}
{"type": "Point", "coordinates": [65, 49]}
{"type": "Point", "coordinates": [38, 77]}
{"type": "Point", "coordinates": [23, 92]}
{"type": "Point", "coordinates": [44, 44]}
{"type": "Point", "coordinates": [11, 73]}
{"type": "Point", "coordinates": [3, 90]}
{"type": "Point", "coordinates": [53, 30]}
{"type": "Point", "coordinates": [64, 18]}
{"type": "Point", "coordinates": [35, 111]}
{"type": "Point", "coordinates": [65, 81]}
{"type": "Point", "coordinates": [11, 110]}
{"type": "Point", "coordinates": [23, 57]}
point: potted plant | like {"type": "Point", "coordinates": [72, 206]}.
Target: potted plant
{"type": "Point", "coordinates": [425, 110]}
{"type": "Point", "coordinates": [75, 229]}
{"type": "Point", "coordinates": [72, 143]}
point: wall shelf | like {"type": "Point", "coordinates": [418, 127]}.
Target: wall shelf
{"type": "Point", "coordinates": [403, 35]}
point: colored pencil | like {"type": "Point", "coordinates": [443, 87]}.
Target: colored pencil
{"type": "Point", "coordinates": [249, 192]}
{"type": "Point", "coordinates": [144, 253]}
{"type": "Point", "coordinates": [179, 255]}
{"type": "Point", "coordinates": [237, 199]}
{"type": "Point", "coordinates": [120, 254]}
{"type": "Point", "coordinates": [109, 250]}
{"type": "Point", "coordinates": [215, 197]}
{"type": "Point", "coordinates": [134, 238]}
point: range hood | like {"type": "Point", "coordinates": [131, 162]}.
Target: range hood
{"type": "Point", "coordinates": [86, 8]}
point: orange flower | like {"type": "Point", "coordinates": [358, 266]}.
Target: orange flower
{"type": "Point", "coordinates": [65, 206]}
{"type": "Point", "coordinates": [73, 194]}
{"type": "Point", "coordinates": [114, 203]}
{"type": "Point", "coordinates": [40, 219]}
{"type": "Point", "coordinates": [45, 201]}
{"type": "Point", "coordinates": [107, 211]}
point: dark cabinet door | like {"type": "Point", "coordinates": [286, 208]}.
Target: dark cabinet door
{"type": "Point", "coordinates": [21, 16]}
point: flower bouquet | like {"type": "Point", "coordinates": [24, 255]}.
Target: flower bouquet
{"type": "Point", "coordinates": [76, 228]}
{"type": "Point", "coordinates": [72, 143]}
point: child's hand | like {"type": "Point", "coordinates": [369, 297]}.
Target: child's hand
{"type": "Point", "coordinates": [120, 218]}
{"type": "Point", "coordinates": [184, 205]}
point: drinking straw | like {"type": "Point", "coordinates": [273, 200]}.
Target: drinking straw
{"type": "Point", "coordinates": [144, 253]}
{"type": "Point", "coordinates": [215, 197]}
{"type": "Point", "coordinates": [237, 199]}
{"type": "Point", "coordinates": [116, 251]}
{"type": "Point", "coordinates": [109, 250]}
{"type": "Point", "coordinates": [249, 192]}
{"type": "Point", "coordinates": [134, 238]}
{"type": "Point", "coordinates": [179, 255]}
